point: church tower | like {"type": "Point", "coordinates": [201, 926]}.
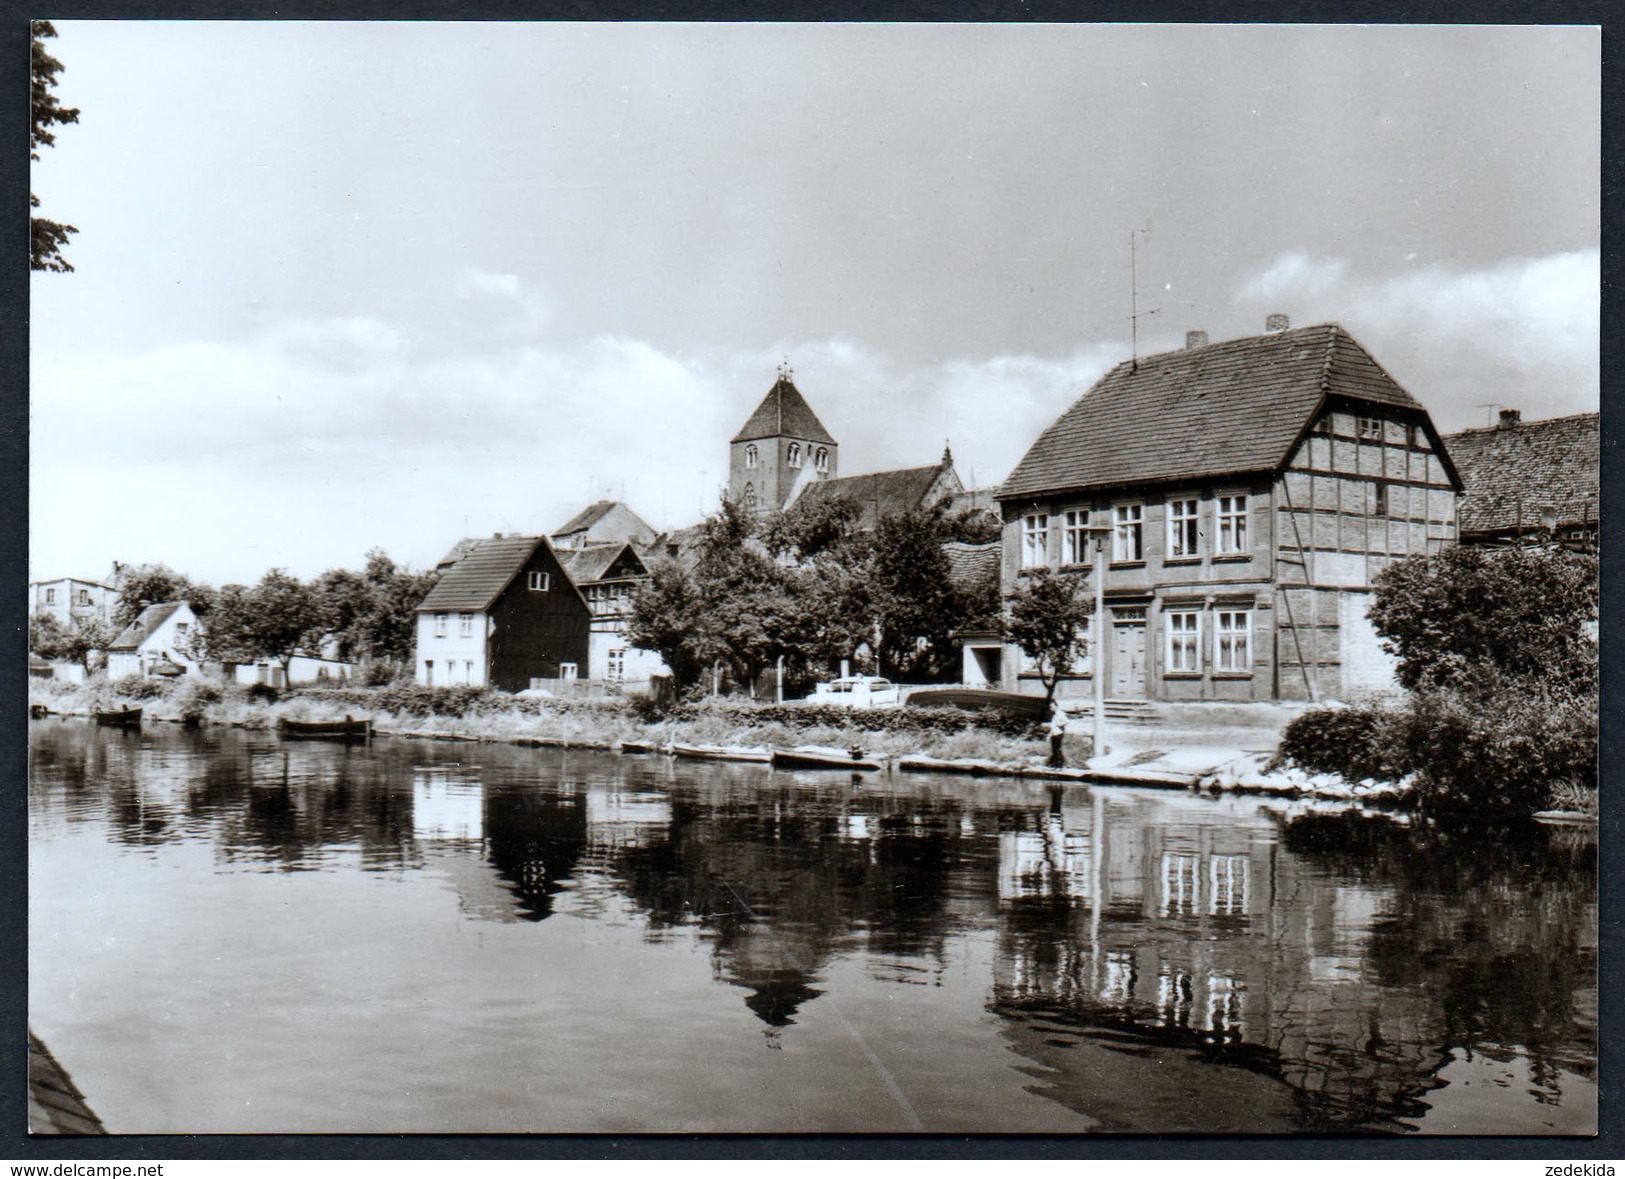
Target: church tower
{"type": "Point", "coordinates": [780, 449]}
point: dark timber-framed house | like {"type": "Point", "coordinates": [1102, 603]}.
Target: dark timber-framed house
{"type": "Point", "coordinates": [504, 614]}
{"type": "Point", "coordinates": [1253, 489]}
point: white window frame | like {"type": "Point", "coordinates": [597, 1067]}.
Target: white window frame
{"type": "Point", "coordinates": [1233, 639]}
{"type": "Point", "coordinates": [567, 671]}
{"type": "Point", "coordinates": [440, 623]}
{"type": "Point", "coordinates": [50, 596]}
{"type": "Point", "coordinates": [1128, 532]}
{"type": "Point", "coordinates": [821, 459]}
{"type": "Point", "coordinates": [1367, 428]}
{"type": "Point", "coordinates": [1231, 525]}
{"type": "Point", "coordinates": [615, 664]}
{"type": "Point", "coordinates": [752, 456]}
{"type": "Point", "coordinates": [1035, 540]}
{"type": "Point", "coordinates": [465, 625]}
{"type": "Point", "coordinates": [428, 672]}
{"type": "Point", "coordinates": [1182, 641]}
{"type": "Point", "coordinates": [1075, 538]}
{"type": "Point", "coordinates": [1184, 527]}
{"type": "Point", "coordinates": [792, 456]}
{"type": "Point", "coordinates": [539, 580]}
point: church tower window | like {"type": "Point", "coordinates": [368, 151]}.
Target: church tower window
{"type": "Point", "coordinates": [749, 498]}
{"type": "Point", "coordinates": [821, 458]}
{"type": "Point", "coordinates": [793, 455]}
{"type": "Point", "coordinates": [750, 455]}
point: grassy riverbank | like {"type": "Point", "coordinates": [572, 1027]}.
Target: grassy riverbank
{"type": "Point", "coordinates": [474, 714]}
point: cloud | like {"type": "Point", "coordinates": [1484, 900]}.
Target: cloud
{"type": "Point", "coordinates": [527, 309]}
{"type": "Point", "coordinates": [1521, 332]}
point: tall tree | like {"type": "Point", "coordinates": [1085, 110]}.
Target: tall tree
{"type": "Point", "coordinates": [1048, 619]}
{"type": "Point", "coordinates": [278, 619]}
{"type": "Point", "coordinates": [78, 642]}
{"type": "Point", "coordinates": [148, 585]}
{"type": "Point", "coordinates": [46, 237]}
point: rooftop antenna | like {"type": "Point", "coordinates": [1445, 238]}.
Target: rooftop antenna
{"type": "Point", "coordinates": [1489, 408]}
{"type": "Point", "coordinates": [1134, 302]}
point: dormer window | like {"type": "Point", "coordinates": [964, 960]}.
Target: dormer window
{"type": "Point", "coordinates": [821, 458]}
{"type": "Point", "coordinates": [751, 456]}
{"type": "Point", "coordinates": [1369, 428]}
{"type": "Point", "coordinates": [792, 456]}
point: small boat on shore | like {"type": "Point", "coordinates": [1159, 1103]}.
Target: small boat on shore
{"type": "Point", "coordinates": [125, 718]}
{"type": "Point", "coordinates": [38, 712]}
{"type": "Point", "coordinates": [822, 757]}
{"type": "Point", "coordinates": [347, 729]}
{"type": "Point", "coordinates": [980, 700]}
{"type": "Point", "coordinates": [641, 747]}
{"type": "Point", "coordinates": [722, 753]}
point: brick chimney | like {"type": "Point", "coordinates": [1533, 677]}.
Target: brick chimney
{"type": "Point", "coordinates": [1276, 322]}
{"type": "Point", "coordinates": [1509, 418]}
{"type": "Point", "coordinates": [1195, 340]}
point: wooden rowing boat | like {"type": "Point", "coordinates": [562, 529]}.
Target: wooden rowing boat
{"type": "Point", "coordinates": [821, 757]}
{"type": "Point", "coordinates": [345, 730]}
{"type": "Point", "coordinates": [980, 700]}
{"type": "Point", "coordinates": [641, 747]}
{"type": "Point", "coordinates": [722, 753]}
{"type": "Point", "coordinates": [38, 712]}
{"type": "Point", "coordinates": [119, 717]}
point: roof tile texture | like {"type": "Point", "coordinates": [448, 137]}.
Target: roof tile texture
{"type": "Point", "coordinates": [784, 413]}
{"type": "Point", "coordinates": [1516, 474]}
{"type": "Point", "coordinates": [877, 495]}
{"type": "Point", "coordinates": [481, 574]}
{"type": "Point", "coordinates": [1224, 409]}
{"type": "Point", "coordinates": [142, 628]}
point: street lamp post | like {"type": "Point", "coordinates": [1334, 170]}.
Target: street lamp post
{"type": "Point", "coordinates": [1099, 533]}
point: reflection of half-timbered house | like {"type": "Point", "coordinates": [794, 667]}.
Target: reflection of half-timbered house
{"type": "Point", "coordinates": [1252, 489]}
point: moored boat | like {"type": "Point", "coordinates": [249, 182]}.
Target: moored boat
{"type": "Point", "coordinates": [822, 757]}
{"type": "Point", "coordinates": [980, 700]}
{"type": "Point", "coordinates": [38, 712]}
{"type": "Point", "coordinates": [722, 753]}
{"type": "Point", "coordinates": [119, 717]}
{"type": "Point", "coordinates": [640, 747]}
{"type": "Point", "coordinates": [346, 729]}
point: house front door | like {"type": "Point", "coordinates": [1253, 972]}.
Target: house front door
{"type": "Point", "coordinates": [1128, 661]}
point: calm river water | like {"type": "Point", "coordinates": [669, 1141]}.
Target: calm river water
{"type": "Point", "coordinates": [232, 933]}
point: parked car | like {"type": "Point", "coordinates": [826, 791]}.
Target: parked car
{"type": "Point", "coordinates": [857, 691]}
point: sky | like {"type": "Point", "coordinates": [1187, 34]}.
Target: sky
{"type": "Point", "coordinates": [344, 286]}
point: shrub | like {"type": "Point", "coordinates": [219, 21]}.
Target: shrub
{"type": "Point", "coordinates": [1504, 754]}
{"type": "Point", "coordinates": [135, 687]}
{"type": "Point", "coordinates": [1354, 742]}
{"type": "Point", "coordinates": [264, 693]}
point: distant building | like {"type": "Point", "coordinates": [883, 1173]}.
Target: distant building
{"type": "Point", "coordinates": [888, 493]}
{"type": "Point", "coordinates": [503, 614]}
{"type": "Point", "coordinates": [1530, 482]}
{"type": "Point", "coordinates": [609, 576]}
{"type": "Point", "coordinates": [70, 599]}
{"type": "Point", "coordinates": [158, 642]}
{"type": "Point", "coordinates": [603, 522]}
{"type": "Point", "coordinates": [779, 451]}
{"type": "Point", "coordinates": [1251, 491]}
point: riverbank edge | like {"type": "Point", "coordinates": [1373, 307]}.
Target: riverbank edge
{"type": "Point", "coordinates": [1231, 770]}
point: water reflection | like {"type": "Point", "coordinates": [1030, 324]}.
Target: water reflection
{"type": "Point", "coordinates": [1156, 962]}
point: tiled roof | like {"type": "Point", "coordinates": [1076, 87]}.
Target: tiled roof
{"type": "Point", "coordinates": [593, 562]}
{"type": "Point", "coordinates": [784, 412]}
{"type": "Point", "coordinates": [970, 565]}
{"type": "Point", "coordinates": [589, 516]}
{"type": "Point", "coordinates": [141, 629]}
{"type": "Point", "coordinates": [1516, 474]}
{"type": "Point", "coordinates": [481, 574]}
{"type": "Point", "coordinates": [883, 493]}
{"type": "Point", "coordinates": [1224, 409]}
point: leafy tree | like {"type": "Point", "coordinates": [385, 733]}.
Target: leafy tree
{"type": "Point", "coordinates": [148, 585]}
{"type": "Point", "coordinates": [388, 629]}
{"type": "Point", "coordinates": [46, 238]}
{"type": "Point", "coordinates": [914, 604]}
{"type": "Point", "coordinates": [1457, 617]}
{"type": "Point", "coordinates": [276, 619]}
{"type": "Point", "coordinates": [76, 643]}
{"type": "Point", "coordinates": [668, 617]}
{"type": "Point", "coordinates": [1048, 619]}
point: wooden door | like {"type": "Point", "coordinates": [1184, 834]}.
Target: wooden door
{"type": "Point", "coordinates": [1128, 661]}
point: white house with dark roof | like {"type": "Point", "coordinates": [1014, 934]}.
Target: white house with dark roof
{"type": "Point", "coordinates": [158, 642]}
{"type": "Point", "coordinates": [504, 614]}
{"type": "Point", "coordinates": [1251, 491]}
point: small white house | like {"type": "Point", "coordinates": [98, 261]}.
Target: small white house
{"type": "Point", "coordinates": [156, 643]}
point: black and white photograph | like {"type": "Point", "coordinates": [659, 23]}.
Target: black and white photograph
{"type": "Point", "coordinates": [783, 578]}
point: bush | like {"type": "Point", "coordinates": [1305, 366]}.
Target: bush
{"type": "Point", "coordinates": [264, 693]}
{"type": "Point", "coordinates": [136, 687]}
{"type": "Point", "coordinates": [871, 720]}
{"type": "Point", "coordinates": [1354, 742]}
{"type": "Point", "coordinates": [1503, 755]}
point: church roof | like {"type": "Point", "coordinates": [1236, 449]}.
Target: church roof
{"type": "Point", "coordinates": [1231, 408]}
{"type": "Point", "coordinates": [784, 413]}
{"type": "Point", "coordinates": [878, 494]}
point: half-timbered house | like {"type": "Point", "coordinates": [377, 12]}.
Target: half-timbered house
{"type": "Point", "coordinates": [1249, 491]}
